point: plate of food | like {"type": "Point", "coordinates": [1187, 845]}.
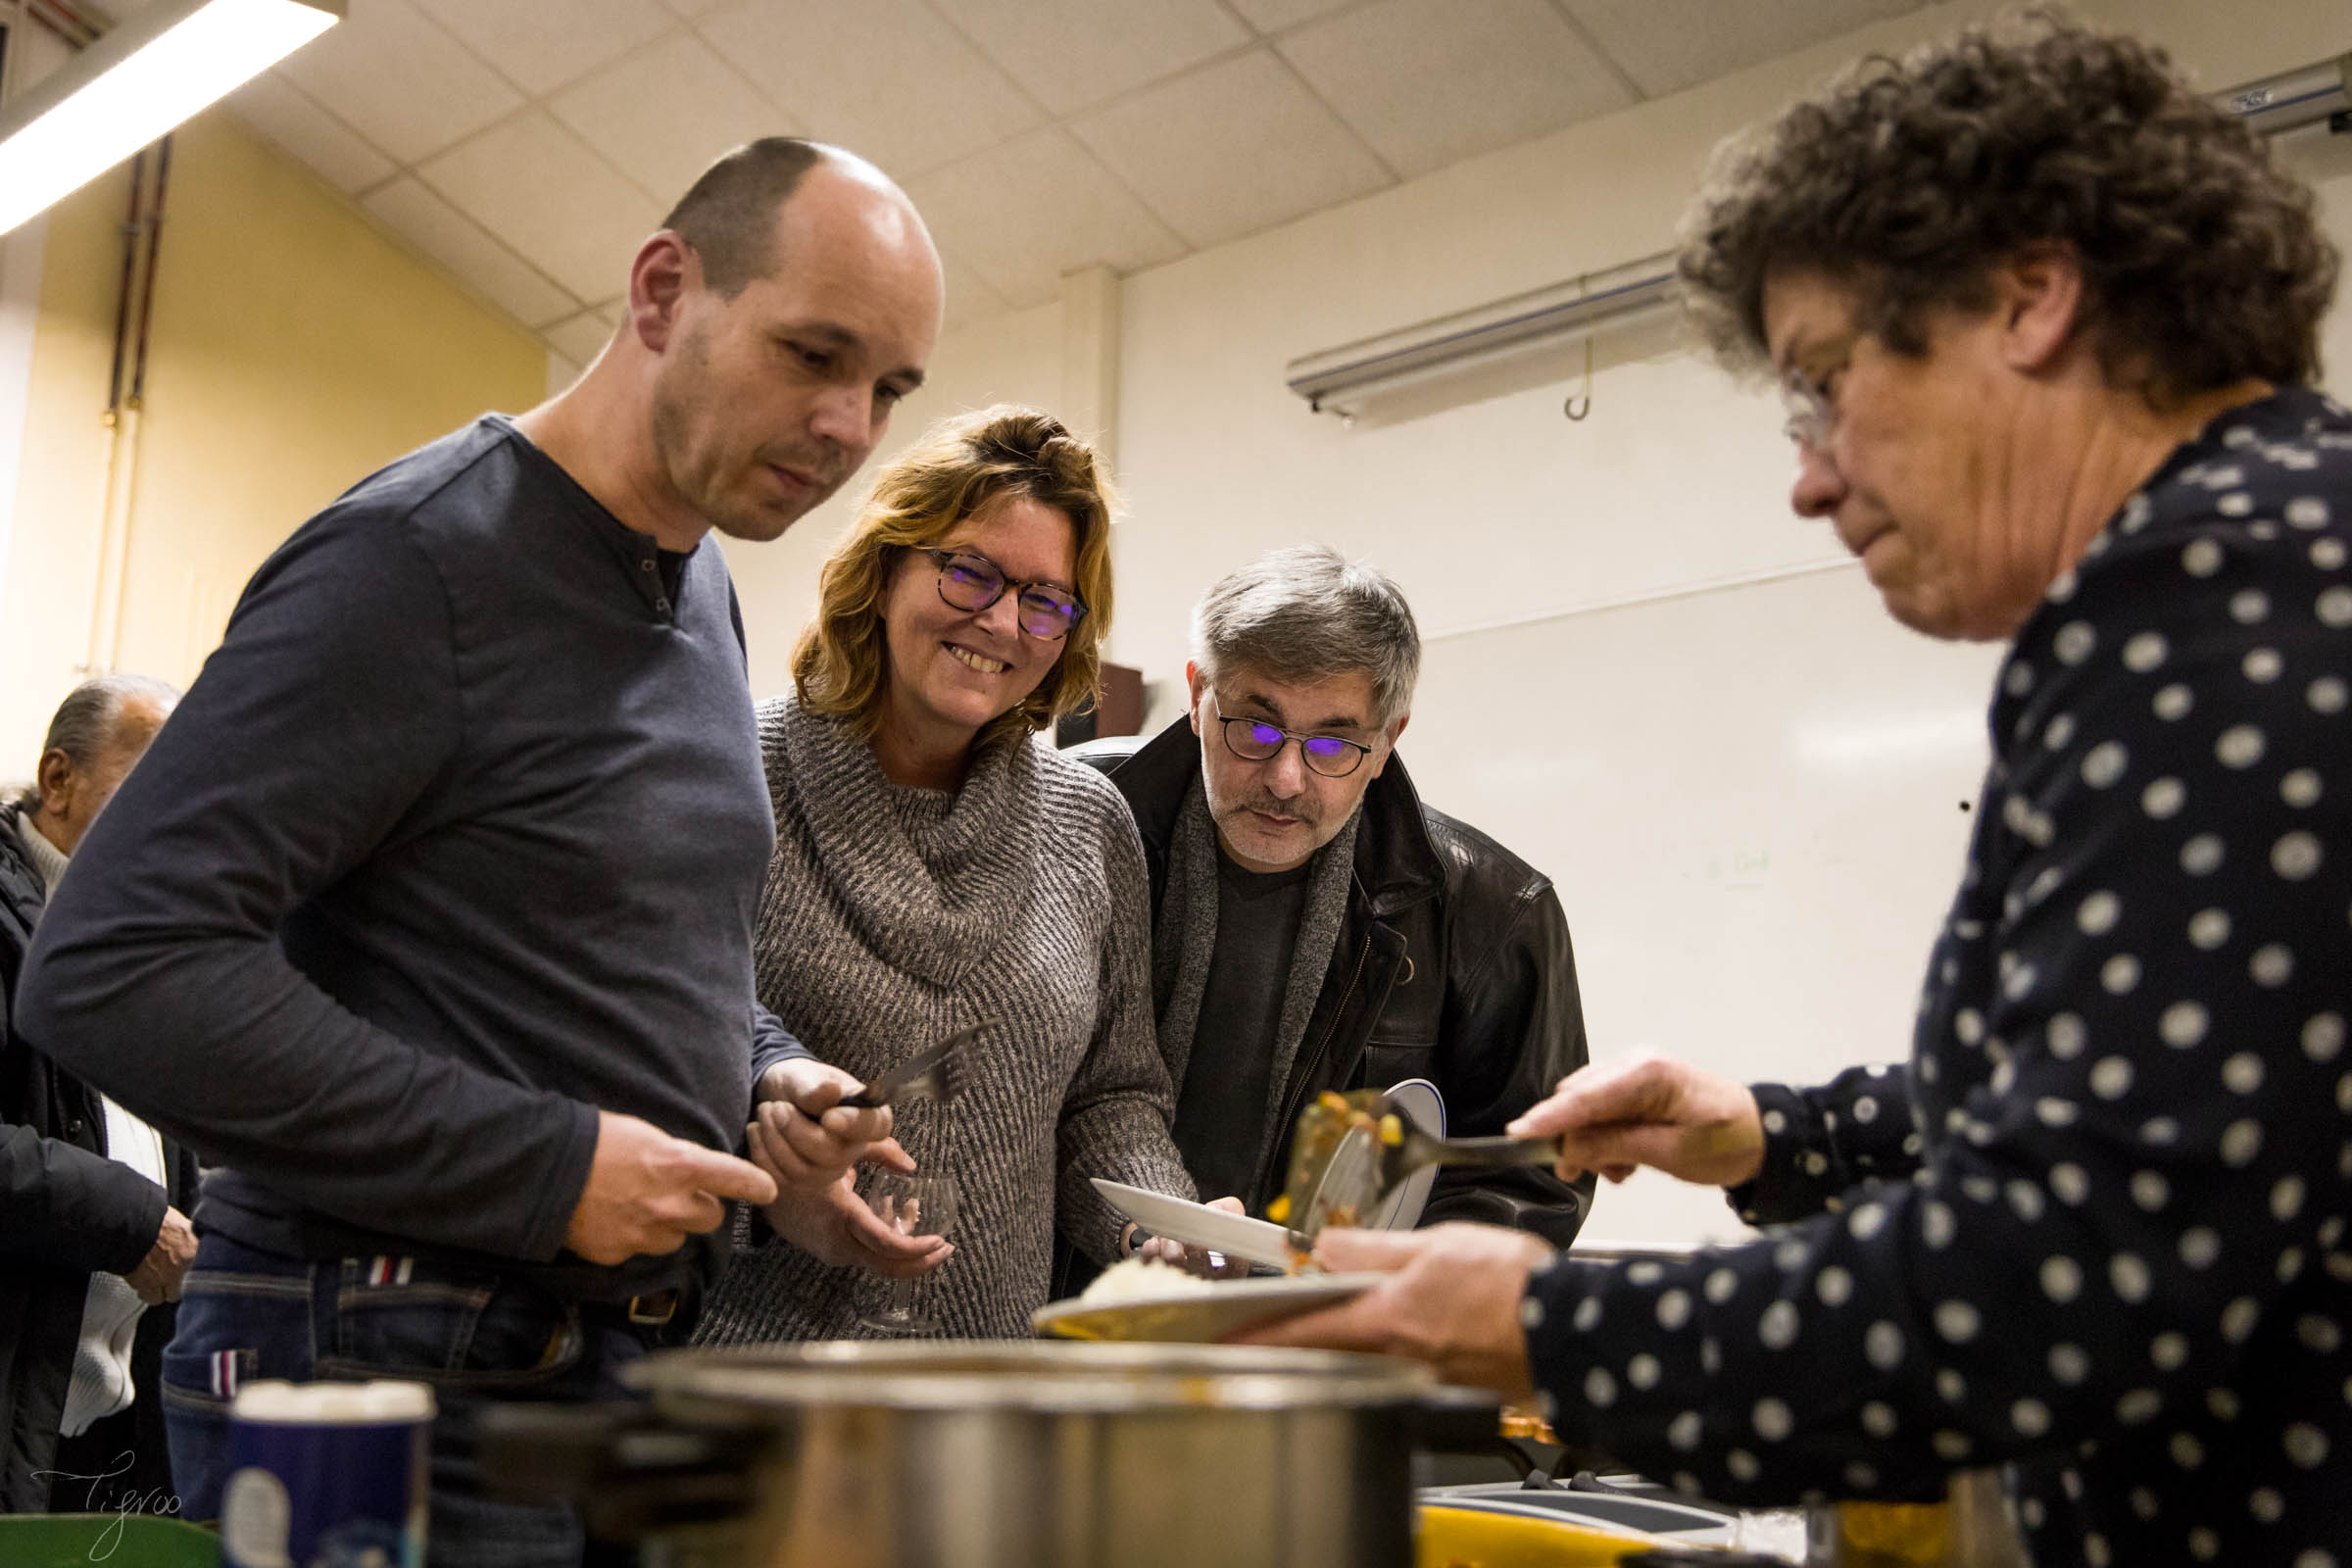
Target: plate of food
{"type": "Point", "coordinates": [1180, 1219]}
{"type": "Point", "coordinates": [1160, 1302]}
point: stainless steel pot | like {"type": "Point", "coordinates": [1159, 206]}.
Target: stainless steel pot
{"type": "Point", "coordinates": [1052, 1456]}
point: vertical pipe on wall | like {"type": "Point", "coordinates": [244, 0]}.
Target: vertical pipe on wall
{"type": "Point", "coordinates": [143, 240]}
{"type": "Point", "coordinates": [110, 450]}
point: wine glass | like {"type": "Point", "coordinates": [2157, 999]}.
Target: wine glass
{"type": "Point", "coordinates": [912, 1205]}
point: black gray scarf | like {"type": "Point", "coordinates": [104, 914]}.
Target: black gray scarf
{"type": "Point", "coordinates": [1184, 940]}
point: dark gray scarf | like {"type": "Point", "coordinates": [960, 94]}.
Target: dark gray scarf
{"type": "Point", "coordinates": [1184, 940]}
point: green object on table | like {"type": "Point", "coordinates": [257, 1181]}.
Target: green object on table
{"type": "Point", "coordinates": [87, 1539]}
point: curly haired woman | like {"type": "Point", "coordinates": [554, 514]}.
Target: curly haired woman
{"type": "Point", "coordinates": [2047, 323]}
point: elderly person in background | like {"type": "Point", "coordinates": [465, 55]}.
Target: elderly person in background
{"type": "Point", "coordinates": [1298, 878]}
{"type": "Point", "coordinates": [2055, 391]}
{"type": "Point", "coordinates": [934, 867]}
{"type": "Point", "coordinates": [93, 1201]}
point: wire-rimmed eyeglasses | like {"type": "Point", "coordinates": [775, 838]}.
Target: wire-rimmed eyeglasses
{"type": "Point", "coordinates": [1253, 740]}
{"type": "Point", "coordinates": [1810, 396]}
{"type": "Point", "coordinates": [971, 582]}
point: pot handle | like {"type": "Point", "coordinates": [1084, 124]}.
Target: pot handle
{"type": "Point", "coordinates": [625, 1468]}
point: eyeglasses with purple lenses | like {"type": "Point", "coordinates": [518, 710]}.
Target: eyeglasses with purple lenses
{"type": "Point", "coordinates": [969, 581]}
{"type": "Point", "coordinates": [1253, 740]}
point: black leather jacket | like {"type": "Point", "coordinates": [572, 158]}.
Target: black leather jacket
{"type": "Point", "coordinates": [1454, 965]}
{"type": "Point", "coordinates": [66, 1212]}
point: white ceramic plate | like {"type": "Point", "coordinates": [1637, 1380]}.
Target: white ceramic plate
{"type": "Point", "coordinates": [1227, 1307]}
{"type": "Point", "coordinates": [1417, 1099]}
{"type": "Point", "coordinates": [1199, 1225]}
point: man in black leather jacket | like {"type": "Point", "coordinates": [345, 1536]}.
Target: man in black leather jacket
{"type": "Point", "coordinates": [1314, 925]}
{"type": "Point", "coordinates": [74, 1199]}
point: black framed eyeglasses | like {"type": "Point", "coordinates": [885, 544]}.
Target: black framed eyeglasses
{"type": "Point", "coordinates": [1253, 740]}
{"type": "Point", "coordinates": [969, 581]}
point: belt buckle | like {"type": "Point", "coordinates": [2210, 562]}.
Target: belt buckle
{"type": "Point", "coordinates": [654, 1309]}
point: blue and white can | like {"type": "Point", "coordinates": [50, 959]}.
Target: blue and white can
{"type": "Point", "coordinates": [327, 1475]}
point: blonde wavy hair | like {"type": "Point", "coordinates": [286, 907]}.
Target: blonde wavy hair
{"type": "Point", "coordinates": [960, 468]}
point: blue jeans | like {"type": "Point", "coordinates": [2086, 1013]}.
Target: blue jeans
{"type": "Point", "coordinates": [476, 1338]}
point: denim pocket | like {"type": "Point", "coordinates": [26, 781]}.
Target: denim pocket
{"type": "Point", "coordinates": [243, 1314]}
{"type": "Point", "coordinates": [451, 1327]}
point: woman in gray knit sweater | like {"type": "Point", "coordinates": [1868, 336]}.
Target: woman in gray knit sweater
{"type": "Point", "coordinates": [933, 866]}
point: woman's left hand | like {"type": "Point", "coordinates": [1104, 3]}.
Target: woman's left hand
{"type": "Point", "coordinates": [837, 1227]}
{"type": "Point", "coordinates": [1451, 1300]}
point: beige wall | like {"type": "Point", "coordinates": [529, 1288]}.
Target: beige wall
{"type": "Point", "coordinates": [294, 350]}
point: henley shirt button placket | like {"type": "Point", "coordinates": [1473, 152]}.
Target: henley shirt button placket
{"type": "Point", "coordinates": [645, 563]}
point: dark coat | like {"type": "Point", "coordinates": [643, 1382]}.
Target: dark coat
{"type": "Point", "coordinates": [65, 1212]}
{"type": "Point", "coordinates": [1454, 965]}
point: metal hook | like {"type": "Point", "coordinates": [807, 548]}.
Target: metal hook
{"type": "Point", "coordinates": [1579, 404]}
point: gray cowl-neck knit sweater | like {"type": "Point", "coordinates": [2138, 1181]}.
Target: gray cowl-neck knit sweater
{"type": "Point", "coordinates": [892, 916]}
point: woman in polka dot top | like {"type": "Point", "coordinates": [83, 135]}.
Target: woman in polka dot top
{"type": "Point", "coordinates": [2046, 320]}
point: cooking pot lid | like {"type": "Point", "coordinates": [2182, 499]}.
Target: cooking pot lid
{"type": "Point", "coordinates": [1015, 1375]}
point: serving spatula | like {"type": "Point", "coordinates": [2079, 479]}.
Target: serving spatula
{"type": "Point", "coordinates": [1353, 1150]}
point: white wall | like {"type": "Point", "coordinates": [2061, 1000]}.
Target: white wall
{"type": "Point", "coordinates": [1643, 675]}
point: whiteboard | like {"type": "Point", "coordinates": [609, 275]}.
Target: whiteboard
{"type": "Point", "coordinates": [1755, 803]}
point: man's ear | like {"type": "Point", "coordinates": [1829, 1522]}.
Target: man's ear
{"type": "Point", "coordinates": [2041, 300]}
{"type": "Point", "coordinates": [54, 774]}
{"type": "Point", "coordinates": [1380, 760]}
{"type": "Point", "coordinates": [665, 268]}
{"type": "Point", "coordinates": [1197, 685]}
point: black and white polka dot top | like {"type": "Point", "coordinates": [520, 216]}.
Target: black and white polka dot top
{"type": "Point", "coordinates": [2098, 1227]}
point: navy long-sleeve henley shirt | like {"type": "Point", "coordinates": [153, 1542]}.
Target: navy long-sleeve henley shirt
{"type": "Point", "coordinates": [456, 840]}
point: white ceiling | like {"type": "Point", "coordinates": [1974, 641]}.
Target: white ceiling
{"type": "Point", "coordinates": [529, 145]}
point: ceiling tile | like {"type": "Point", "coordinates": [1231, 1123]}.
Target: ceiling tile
{"type": "Point", "coordinates": [534, 186]}
{"type": "Point", "coordinates": [1272, 16]}
{"type": "Point", "coordinates": [542, 44]}
{"type": "Point", "coordinates": [278, 109]}
{"type": "Point", "coordinates": [581, 338]}
{"type": "Point", "coordinates": [400, 80]}
{"type": "Point", "coordinates": [1023, 213]}
{"type": "Point", "coordinates": [1430, 82]}
{"type": "Point", "coordinates": [1231, 149]}
{"type": "Point", "coordinates": [1069, 53]}
{"type": "Point", "coordinates": [919, 95]}
{"type": "Point", "coordinates": [664, 112]}
{"type": "Point", "coordinates": [1667, 45]}
{"type": "Point", "coordinates": [456, 241]}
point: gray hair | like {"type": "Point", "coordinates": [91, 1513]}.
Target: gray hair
{"type": "Point", "coordinates": [84, 723]}
{"type": "Point", "coordinates": [1306, 614]}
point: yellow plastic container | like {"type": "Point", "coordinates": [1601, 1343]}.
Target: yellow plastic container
{"type": "Point", "coordinates": [1470, 1538]}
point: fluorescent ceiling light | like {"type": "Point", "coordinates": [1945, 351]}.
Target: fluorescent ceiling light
{"type": "Point", "coordinates": [143, 78]}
